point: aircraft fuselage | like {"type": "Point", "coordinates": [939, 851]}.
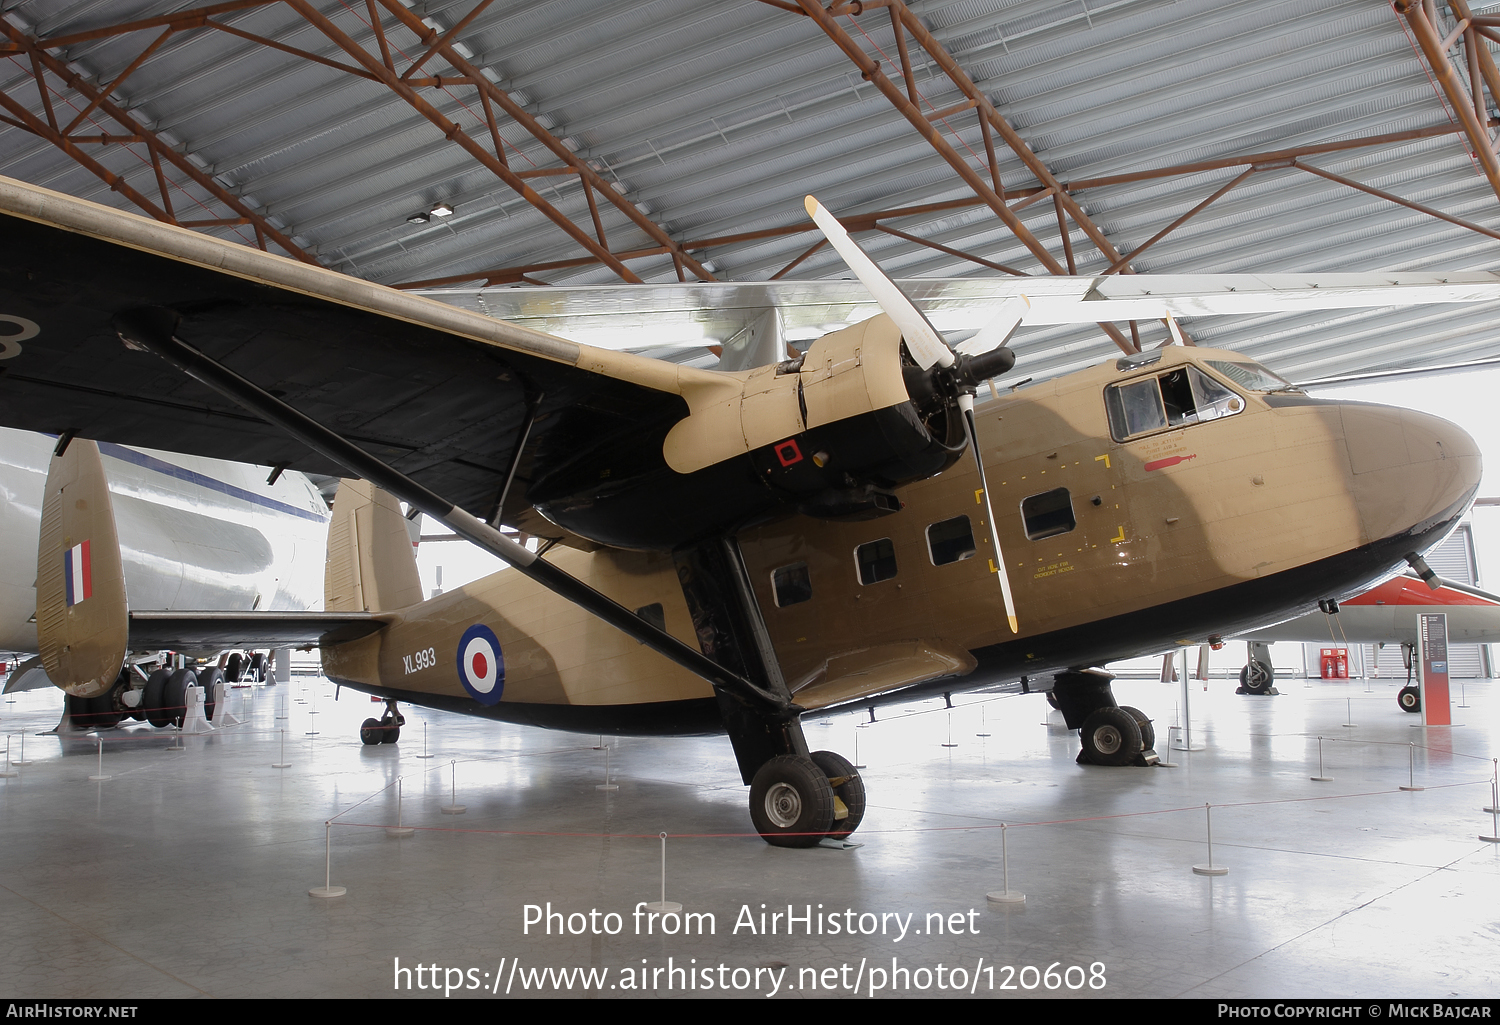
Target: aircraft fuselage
{"type": "Point", "coordinates": [1138, 508]}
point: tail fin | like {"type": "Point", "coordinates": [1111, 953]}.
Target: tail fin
{"type": "Point", "coordinates": [82, 621]}
{"type": "Point", "coordinates": [371, 565]}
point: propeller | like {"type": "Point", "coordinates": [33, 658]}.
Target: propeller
{"type": "Point", "coordinates": [958, 374]}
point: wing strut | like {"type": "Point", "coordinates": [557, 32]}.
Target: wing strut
{"type": "Point", "coordinates": [152, 330]}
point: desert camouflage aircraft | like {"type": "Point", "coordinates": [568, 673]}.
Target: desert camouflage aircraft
{"type": "Point", "coordinates": [732, 548]}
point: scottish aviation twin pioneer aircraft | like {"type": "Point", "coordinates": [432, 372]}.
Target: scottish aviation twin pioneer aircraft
{"type": "Point", "coordinates": [726, 549]}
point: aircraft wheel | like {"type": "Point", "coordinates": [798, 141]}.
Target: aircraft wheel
{"type": "Point", "coordinates": [791, 802]}
{"type": "Point", "coordinates": [206, 680]}
{"type": "Point", "coordinates": [1257, 677]}
{"type": "Point", "coordinates": [1410, 699]}
{"type": "Point", "coordinates": [847, 787]}
{"type": "Point", "coordinates": [390, 733]}
{"type": "Point", "coordinates": [1148, 731]}
{"type": "Point", "coordinates": [175, 697]}
{"type": "Point", "coordinates": [1111, 737]}
{"type": "Point", "coordinates": [371, 732]}
{"type": "Point", "coordinates": [258, 667]}
{"type": "Point", "coordinates": [234, 667]}
{"type": "Point", "coordinates": [154, 698]}
{"type": "Point", "coordinates": [81, 712]}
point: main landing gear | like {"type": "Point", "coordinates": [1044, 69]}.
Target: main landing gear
{"type": "Point", "coordinates": [386, 729]}
{"type": "Point", "coordinates": [1111, 734]}
{"type": "Point", "coordinates": [796, 801]}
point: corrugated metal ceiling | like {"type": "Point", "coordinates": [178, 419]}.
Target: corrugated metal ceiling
{"type": "Point", "coordinates": [716, 119]}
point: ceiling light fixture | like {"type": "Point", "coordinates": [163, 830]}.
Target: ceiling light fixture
{"type": "Point", "coordinates": [442, 210]}
{"type": "Point", "coordinates": [419, 219]}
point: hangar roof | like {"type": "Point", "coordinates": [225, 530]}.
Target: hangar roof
{"type": "Point", "coordinates": [586, 142]}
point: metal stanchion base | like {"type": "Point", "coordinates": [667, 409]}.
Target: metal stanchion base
{"type": "Point", "coordinates": [1321, 779]}
{"type": "Point", "coordinates": [1210, 870]}
{"type": "Point", "coordinates": [8, 773]}
{"type": "Point", "coordinates": [399, 831]}
{"type": "Point", "coordinates": [99, 779]}
{"type": "Point", "coordinates": [607, 786]}
{"type": "Point", "coordinates": [1490, 839]}
{"type": "Point", "coordinates": [453, 809]}
{"type": "Point", "coordinates": [281, 765]}
{"type": "Point", "coordinates": [327, 891]}
{"type": "Point", "coordinates": [1411, 788]}
{"type": "Point", "coordinates": [1005, 897]}
{"type": "Point", "coordinates": [664, 906]}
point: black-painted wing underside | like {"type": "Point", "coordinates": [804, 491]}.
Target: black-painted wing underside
{"type": "Point", "coordinates": [444, 409]}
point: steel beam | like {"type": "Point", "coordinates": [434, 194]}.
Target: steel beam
{"type": "Point", "coordinates": [98, 99]}
{"type": "Point", "coordinates": [1437, 60]}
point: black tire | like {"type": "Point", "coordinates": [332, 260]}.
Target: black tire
{"type": "Point", "coordinates": [1257, 677]}
{"type": "Point", "coordinates": [258, 667]}
{"type": "Point", "coordinates": [847, 787]}
{"type": "Point", "coordinates": [390, 733]}
{"type": "Point", "coordinates": [155, 696]}
{"type": "Point", "coordinates": [1410, 699]}
{"type": "Point", "coordinates": [1111, 737]}
{"type": "Point", "coordinates": [175, 697]}
{"type": "Point", "coordinates": [1148, 731]}
{"type": "Point", "coordinates": [791, 802]}
{"type": "Point", "coordinates": [207, 679]}
{"type": "Point", "coordinates": [234, 667]}
{"type": "Point", "coordinates": [80, 711]}
{"type": "Point", "coordinates": [371, 732]}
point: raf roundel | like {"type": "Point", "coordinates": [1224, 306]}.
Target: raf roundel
{"type": "Point", "coordinates": [481, 666]}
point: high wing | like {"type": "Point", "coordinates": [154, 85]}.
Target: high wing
{"type": "Point", "coordinates": [440, 393]}
{"type": "Point", "coordinates": [704, 313]}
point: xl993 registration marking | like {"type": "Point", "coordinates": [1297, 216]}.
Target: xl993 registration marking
{"type": "Point", "coordinates": [415, 663]}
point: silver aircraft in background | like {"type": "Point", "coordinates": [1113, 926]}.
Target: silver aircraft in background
{"type": "Point", "coordinates": [195, 533]}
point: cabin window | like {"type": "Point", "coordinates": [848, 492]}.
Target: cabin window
{"type": "Point", "coordinates": [876, 561]}
{"type": "Point", "coordinates": [1181, 396]}
{"type": "Point", "coordinates": [653, 614]}
{"type": "Point", "coordinates": [1048, 514]}
{"type": "Point", "coordinates": [1252, 376]}
{"type": "Point", "coordinates": [950, 541]}
{"type": "Point", "coordinates": [792, 585]}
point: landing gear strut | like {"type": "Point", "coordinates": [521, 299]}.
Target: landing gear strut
{"type": "Point", "coordinates": [1257, 676]}
{"type": "Point", "coordinates": [1410, 696]}
{"type": "Point", "coordinates": [386, 729]}
{"type": "Point", "coordinates": [1111, 734]}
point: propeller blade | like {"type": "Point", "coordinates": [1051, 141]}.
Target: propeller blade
{"type": "Point", "coordinates": [922, 340]}
{"type": "Point", "coordinates": [1175, 331]}
{"type": "Point", "coordinates": [1000, 327]}
{"type": "Point", "coordinates": [967, 403]}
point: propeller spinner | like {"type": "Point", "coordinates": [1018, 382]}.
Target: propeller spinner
{"type": "Point", "coordinates": [957, 375]}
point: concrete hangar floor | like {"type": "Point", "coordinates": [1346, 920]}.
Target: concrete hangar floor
{"type": "Point", "coordinates": [187, 874]}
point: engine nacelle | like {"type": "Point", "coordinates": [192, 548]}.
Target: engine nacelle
{"type": "Point", "coordinates": [830, 435]}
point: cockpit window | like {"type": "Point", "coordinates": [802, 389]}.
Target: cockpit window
{"type": "Point", "coordinates": [1181, 396]}
{"type": "Point", "coordinates": [1250, 375]}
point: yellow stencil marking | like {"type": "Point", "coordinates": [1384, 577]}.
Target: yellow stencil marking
{"type": "Point", "coordinates": [1121, 537]}
{"type": "Point", "coordinates": [1105, 458]}
{"type": "Point", "coordinates": [979, 496]}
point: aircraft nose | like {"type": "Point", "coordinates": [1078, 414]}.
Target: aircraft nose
{"type": "Point", "coordinates": [1413, 473]}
